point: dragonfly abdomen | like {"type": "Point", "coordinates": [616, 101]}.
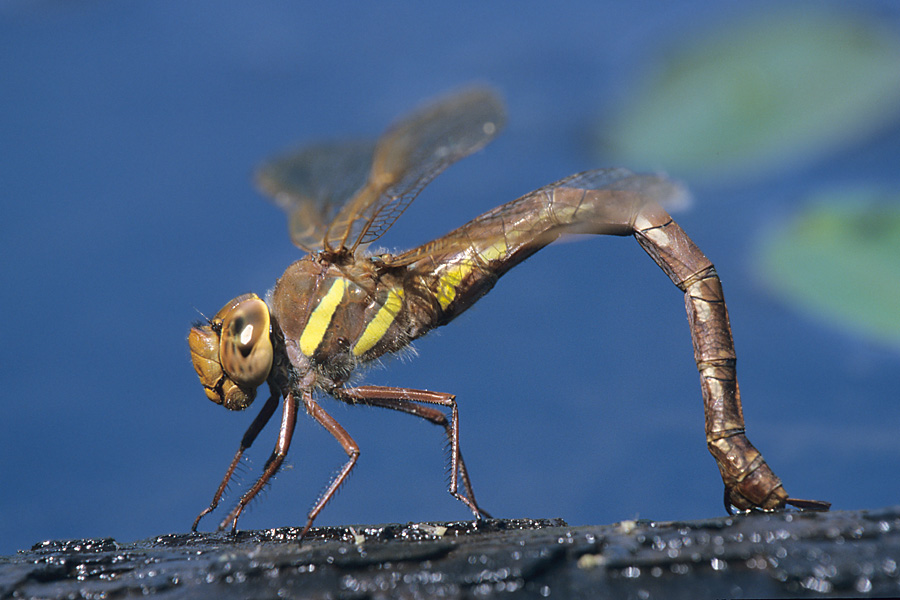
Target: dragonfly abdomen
{"type": "Point", "coordinates": [462, 266]}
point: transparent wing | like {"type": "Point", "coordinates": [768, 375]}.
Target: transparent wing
{"type": "Point", "coordinates": [312, 184]}
{"type": "Point", "coordinates": [530, 218]}
{"type": "Point", "coordinates": [409, 155]}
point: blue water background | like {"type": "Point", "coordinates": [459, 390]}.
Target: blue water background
{"type": "Point", "coordinates": [129, 131]}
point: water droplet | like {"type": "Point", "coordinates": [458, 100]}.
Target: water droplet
{"type": "Point", "coordinates": [590, 561]}
{"type": "Point", "coordinates": [627, 527]}
{"type": "Point", "coordinates": [816, 584]}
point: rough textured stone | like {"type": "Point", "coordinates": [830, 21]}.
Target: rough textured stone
{"type": "Point", "coordinates": [840, 553]}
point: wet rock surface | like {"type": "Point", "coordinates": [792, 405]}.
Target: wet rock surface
{"type": "Point", "coordinates": [841, 553]}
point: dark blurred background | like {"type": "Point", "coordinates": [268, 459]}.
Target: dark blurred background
{"type": "Point", "coordinates": [129, 132]}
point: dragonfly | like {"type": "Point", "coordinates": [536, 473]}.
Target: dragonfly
{"type": "Point", "coordinates": [342, 306]}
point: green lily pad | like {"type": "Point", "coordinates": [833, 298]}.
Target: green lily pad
{"type": "Point", "coordinates": [840, 259]}
{"type": "Point", "coordinates": [760, 93]}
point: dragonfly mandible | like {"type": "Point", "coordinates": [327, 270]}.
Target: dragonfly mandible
{"type": "Point", "coordinates": [340, 307]}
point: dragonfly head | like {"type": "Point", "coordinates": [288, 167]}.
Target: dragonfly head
{"type": "Point", "coordinates": [232, 353]}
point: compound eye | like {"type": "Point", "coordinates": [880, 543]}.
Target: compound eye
{"type": "Point", "coordinates": [245, 347]}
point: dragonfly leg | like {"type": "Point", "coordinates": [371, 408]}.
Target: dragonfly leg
{"type": "Point", "coordinates": [749, 482]}
{"type": "Point", "coordinates": [288, 421]}
{"type": "Point", "coordinates": [349, 445]}
{"type": "Point", "coordinates": [249, 437]}
{"type": "Point", "coordinates": [411, 402]}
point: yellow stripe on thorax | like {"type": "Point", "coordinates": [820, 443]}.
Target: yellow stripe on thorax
{"type": "Point", "coordinates": [381, 322]}
{"type": "Point", "coordinates": [321, 317]}
{"type": "Point", "coordinates": [454, 274]}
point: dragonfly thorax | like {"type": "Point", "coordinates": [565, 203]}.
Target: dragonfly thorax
{"type": "Point", "coordinates": [337, 316]}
